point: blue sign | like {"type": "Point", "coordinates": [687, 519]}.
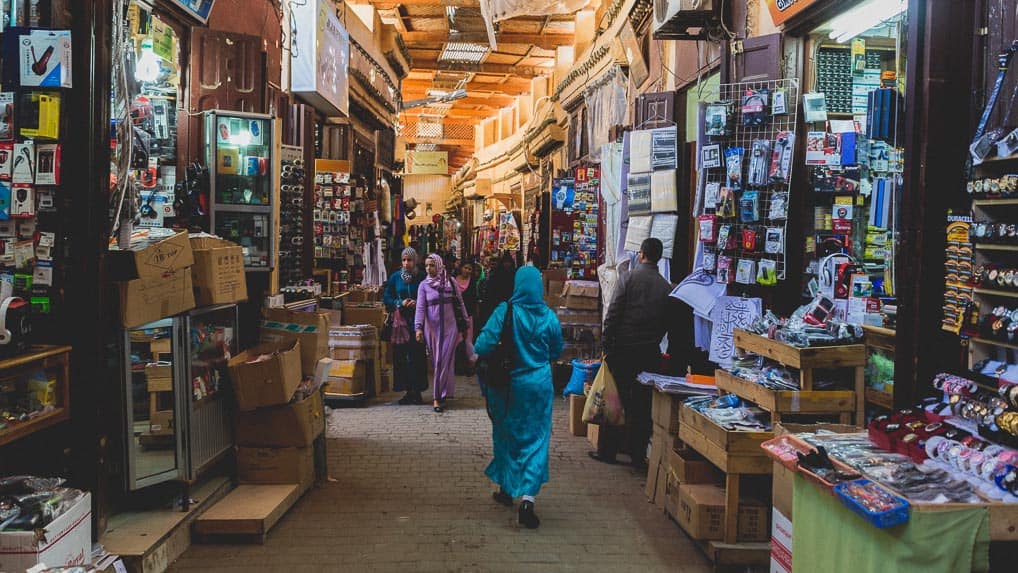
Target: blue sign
{"type": "Point", "coordinates": [200, 9]}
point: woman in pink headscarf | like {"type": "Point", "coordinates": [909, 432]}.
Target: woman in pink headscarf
{"type": "Point", "coordinates": [441, 321]}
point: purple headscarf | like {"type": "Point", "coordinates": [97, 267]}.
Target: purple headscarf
{"type": "Point", "coordinates": [440, 279]}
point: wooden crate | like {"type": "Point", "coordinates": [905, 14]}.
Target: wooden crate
{"type": "Point", "coordinates": [778, 402]}
{"type": "Point", "coordinates": [731, 451]}
{"type": "Point", "coordinates": [247, 513]}
{"type": "Point", "coordinates": [55, 359]}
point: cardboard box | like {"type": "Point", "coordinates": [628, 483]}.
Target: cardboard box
{"type": "Point", "coordinates": [311, 328]}
{"type": "Point", "coordinates": [701, 514]}
{"type": "Point", "coordinates": [577, 427]}
{"type": "Point", "coordinates": [67, 540]}
{"type": "Point", "coordinates": [672, 495]}
{"type": "Point", "coordinates": [347, 377]}
{"type": "Point", "coordinates": [372, 313]}
{"type": "Point", "coordinates": [367, 353]}
{"type": "Point", "coordinates": [555, 287]}
{"type": "Point", "coordinates": [664, 411]}
{"type": "Point", "coordinates": [385, 351]}
{"type": "Point", "coordinates": [363, 294]}
{"type": "Point", "coordinates": [353, 336]}
{"type": "Point", "coordinates": [585, 317]}
{"type": "Point", "coordinates": [160, 346]}
{"type": "Point", "coordinates": [689, 467]}
{"type": "Point", "coordinates": [290, 425]}
{"type": "Point", "coordinates": [553, 275]}
{"type": "Point", "coordinates": [781, 543]}
{"type": "Point", "coordinates": [146, 300]}
{"type": "Point", "coordinates": [387, 379]}
{"type": "Point", "coordinates": [276, 465]}
{"type": "Point", "coordinates": [270, 382]}
{"type": "Point", "coordinates": [218, 271]}
{"type": "Point", "coordinates": [581, 303]}
{"type": "Point", "coordinates": [151, 258]}
{"type": "Point", "coordinates": [160, 423]}
{"type": "Point", "coordinates": [582, 289]}
{"type": "Point", "coordinates": [594, 435]}
{"type": "Point", "coordinates": [159, 377]}
{"type": "Point", "coordinates": [781, 490]}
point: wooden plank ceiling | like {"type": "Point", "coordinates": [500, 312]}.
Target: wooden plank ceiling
{"type": "Point", "coordinates": [448, 44]}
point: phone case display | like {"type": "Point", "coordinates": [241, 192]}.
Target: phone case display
{"type": "Point", "coordinates": [152, 362]}
{"type": "Point", "coordinates": [746, 166]}
{"type": "Point", "coordinates": [574, 213]}
{"type": "Point", "coordinates": [291, 215]}
{"type": "Point", "coordinates": [239, 155]}
{"type": "Point", "coordinates": [342, 222]}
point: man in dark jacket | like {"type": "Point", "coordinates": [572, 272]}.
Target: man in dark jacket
{"type": "Point", "coordinates": [633, 330]}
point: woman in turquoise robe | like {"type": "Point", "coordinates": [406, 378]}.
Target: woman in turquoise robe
{"type": "Point", "coordinates": [521, 417]}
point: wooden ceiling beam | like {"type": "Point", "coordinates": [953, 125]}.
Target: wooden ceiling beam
{"type": "Point", "coordinates": [485, 100]}
{"type": "Point", "coordinates": [456, 142]}
{"type": "Point", "coordinates": [544, 41]}
{"type": "Point", "coordinates": [455, 120]}
{"type": "Point", "coordinates": [485, 68]}
{"type": "Point", "coordinates": [511, 86]}
{"type": "Point", "coordinates": [456, 112]}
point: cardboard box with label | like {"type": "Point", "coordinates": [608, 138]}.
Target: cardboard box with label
{"type": "Point", "coordinates": [67, 540]}
{"type": "Point", "coordinates": [577, 427]}
{"type": "Point", "coordinates": [582, 295]}
{"type": "Point", "coordinates": [701, 514]}
{"type": "Point", "coordinates": [578, 317]}
{"type": "Point", "coordinates": [664, 411]}
{"type": "Point", "coordinates": [266, 375]}
{"type": "Point", "coordinates": [276, 466]}
{"type": "Point", "coordinates": [150, 256]}
{"type": "Point", "coordinates": [311, 328]}
{"type": "Point", "coordinates": [149, 299]}
{"type": "Point", "coordinates": [781, 543]}
{"type": "Point", "coordinates": [363, 294]}
{"type": "Point", "coordinates": [290, 425]}
{"type": "Point", "coordinates": [353, 342]}
{"type": "Point", "coordinates": [689, 467]}
{"type": "Point", "coordinates": [160, 423]}
{"type": "Point", "coordinates": [372, 313]}
{"type": "Point", "coordinates": [159, 377]}
{"type": "Point", "coordinates": [218, 271]}
{"type": "Point", "coordinates": [347, 378]}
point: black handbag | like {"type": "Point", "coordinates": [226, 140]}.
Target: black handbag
{"type": "Point", "coordinates": [385, 335]}
{"type": "Point", "coordinates": [457, 308]}
{"type": "Point", "coordinates": [495, 368]}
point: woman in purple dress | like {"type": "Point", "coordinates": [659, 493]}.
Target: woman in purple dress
{"type": "Point", "coordinates": [441, 322]}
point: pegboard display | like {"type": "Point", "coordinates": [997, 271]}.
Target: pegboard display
{"type": "Point", "coordinates": [746, 160]}
{"type": "Point", "coordinates": [842, 88]}
{"type": "Point", "coordinates": [291, 207]}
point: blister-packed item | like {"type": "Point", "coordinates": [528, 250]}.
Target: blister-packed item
{"type": "Point", "coordinates": [749, 207]}
{"type": "Point", "coordinates": [733, 166]}
{"type": "Point", "coordinates": [778, 210]}
{"type": "Point", "coordinates": [759, 163]}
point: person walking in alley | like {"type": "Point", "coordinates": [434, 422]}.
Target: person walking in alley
{"type": "Point", "coordinates": [521, 413]}
{"type": "Point", "coordinates": [468, 291]}
{"type": "Point", "coordinates": [633, 329]}
{"type": "Point", "coordinates": [496, 287]}
{"type": "Point", "coordinates": [410, 372]}
{"type": "Point", "coordinates": [441, 321]}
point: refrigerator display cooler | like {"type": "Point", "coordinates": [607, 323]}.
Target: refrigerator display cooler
{"type": "Point", "coordinates": [178, 398]}
{"type": "Point", "coordinates": [240, 156]}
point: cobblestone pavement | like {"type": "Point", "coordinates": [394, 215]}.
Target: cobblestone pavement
{"type": "Point", "coordinates": [410, 495]}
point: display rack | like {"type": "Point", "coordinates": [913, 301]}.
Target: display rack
{"type": "Point", "coordinates": [879, 340]}
{"type": "Point", "coordinates": [806, 400]}
{"type": "Point", "coordinates": [743, 136]}
{"type": "Point", "coordinates": [291, 224]}
{"type": "Point", "coordinates": [55, 358]}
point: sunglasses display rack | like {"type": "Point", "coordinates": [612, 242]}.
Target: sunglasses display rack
{"type": "Point", "coordinates": [747, 166]}
{"type": "Point", "coordinates": [339, 218]}
{"type": "Point", "coordinates": [291, 213]}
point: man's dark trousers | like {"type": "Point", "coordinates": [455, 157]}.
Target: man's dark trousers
{"type": "Point", "coordinates": [625, 364]}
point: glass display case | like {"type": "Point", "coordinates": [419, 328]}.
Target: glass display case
{"type": "Point", "coordinates": [239, 153]}
{"type": "Point", "coordinates": [211, 340]}
{"type": "Point", "coordinates": [178, 399]}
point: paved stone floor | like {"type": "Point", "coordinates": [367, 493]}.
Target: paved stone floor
{"type": "Point", "coordinates": [409, 494]}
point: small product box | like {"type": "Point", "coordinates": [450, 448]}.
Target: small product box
{"type": "Point", "coordinates": [47, 164]}
{"type": "Point", "coordinates": [6, 160]}
{"type": "Point", "coordinates": [66, 541]}
{"type": "Point", "coordinates": [45, 58]}
{"type": "Point", "coordinates": [22, 201]}
{"type": "Point", "coordinates": [23, 166]}
{"type": "Point", "coordinates": [6, 116]}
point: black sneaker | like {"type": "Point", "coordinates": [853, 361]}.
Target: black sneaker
{"type": "Point", "coordinates": [528, 518]}
{"type": "Point", "coordinates": [503, 498]}
{"type": "Point", "coordinates": [599, 458]}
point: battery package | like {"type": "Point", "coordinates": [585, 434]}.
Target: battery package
{"type": "Point", "coordinates": [47, 164]}
{"type": "Point", "coordinates": [45, 59]}
{"type": "Point", "coordinates": [23, 166]}
{"type": "Point", "coordinates": [39, 115]}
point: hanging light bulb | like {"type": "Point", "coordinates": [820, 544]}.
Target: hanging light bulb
{"type": "Point", "coordinates": [147, 68]}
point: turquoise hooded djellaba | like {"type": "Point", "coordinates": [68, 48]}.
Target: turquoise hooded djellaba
{"type": "Point", "coordinates": [521, 417]}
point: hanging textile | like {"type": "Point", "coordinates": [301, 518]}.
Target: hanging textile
{"type": "Point", "coordinates": [611, 191]}
{"type": "Point", "coordinates": [497, 10]}
{"type": "Point", "coordinates": [606, 106]}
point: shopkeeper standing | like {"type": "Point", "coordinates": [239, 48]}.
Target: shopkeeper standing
{"type": "Point", "coordinates": [633, 330]}
{"type": "Point", "coordinates": [409, 369]}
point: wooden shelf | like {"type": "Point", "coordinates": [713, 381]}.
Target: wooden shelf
{"type": "Point", "coordinates": [33, 354]}
{"type": "Point", "coordinates": [994, 202]}
{"type": "Point", "coordinates": [737, 452]}
{"type": "Point", "coordinates": [993, 160]}
{"type": "Point", "coordinates": [993, 342]}
{"type": "Point", "coordinates": [849, 355]}
{"type": "Point", "coordinates": [995, 292]}
{"type": "Point", "coordinates": [779, 402]}
{"type": "Point", "coordinates": [21, 429]}
{"type": "Point", "coordinates": [880, 398]}
{"type": "Point", "coordinates": [995, 247]}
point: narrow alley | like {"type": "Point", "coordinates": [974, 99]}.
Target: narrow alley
{"type": "Point", "coordinates": [409, 494]}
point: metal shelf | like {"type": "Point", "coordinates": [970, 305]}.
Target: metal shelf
{"type": "Point", "coordinates": [994, 292]}
{"type": "Point", "coordinates": [993, 202]}
{"type": "Point", "coordinates": [993, 247]}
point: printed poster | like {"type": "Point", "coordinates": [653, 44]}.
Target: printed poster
{"type": "Point", "coordinates": [728, 314]}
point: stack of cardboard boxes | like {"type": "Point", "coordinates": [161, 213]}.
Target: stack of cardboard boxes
{"type": "Point", "coordinates": [357, 362]}
{"type": "Point", "coordinates": [275, 428]}
{"type": "Point", "coordinates": [688, 487]}
{"type": "Point", "coordinates": [154, 277]}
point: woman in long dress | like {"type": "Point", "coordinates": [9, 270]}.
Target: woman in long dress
{"type": "Point", "coordinates": [521, 415]}
{"type": "Point", "coordinates": [436, 323]}
{"type": "Point", "coordinates": [409, 370]}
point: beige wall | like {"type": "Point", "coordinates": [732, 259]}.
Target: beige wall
{"type": "Point", "coordinates": [426, 189]}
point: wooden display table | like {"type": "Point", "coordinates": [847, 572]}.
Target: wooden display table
{"type": "Point", "coordinates": [806, 400]}
{"type": "Point", "coordinates": [55, 359]}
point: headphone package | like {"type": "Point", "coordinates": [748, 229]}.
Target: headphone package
{"type": "Point", "coordinates": [23, 166]}
{"type": "Point", "coordinates": [754, 107]}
